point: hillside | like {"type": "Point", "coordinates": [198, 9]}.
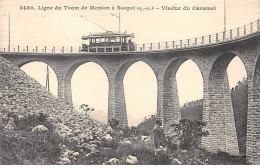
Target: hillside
{"type": "Point", "coordinates": [146, 126]}
{"type": "Point", "coordinates": [192, 110]}
{"type": "Point", "coordinates": [239, 96]}
{"type": "Point", "coordinates": [23, 95]}
{"type": "Point", "coordinates": [26, 106]}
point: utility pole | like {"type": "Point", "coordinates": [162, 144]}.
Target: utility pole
{"type": "Point", "coordinates": [9, 33]}
{"type": "Point", "coordinates": [47, 86]}
{"type": "Point", "coordinates": [119, 18]}
{"type": "Point", "coordinates": [225, 18]}
{"type": "Point", "coordinates": [119, 22]}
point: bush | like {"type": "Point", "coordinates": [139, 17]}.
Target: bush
{"type": "Point", "coordinates": [113, 144]}
{"type": "Point", "coordinates": [21, 146]}
{"type": "Point", "coordinates": [145, 128]}
{"type": "Point", "coordinates": [113, 123]}
{"type": "Point", "coordinates": [162, 156]}
{"type": "Point", "coordinates": [144, 151]}
{"type": "Point", "coordinates": [188, 133]}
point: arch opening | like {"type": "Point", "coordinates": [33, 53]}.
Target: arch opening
{"type": "Point", "coordinates": [190, 90]}
{"type": "Point", "coordinates": [237, 77]}
{"type": "Point", "coordinates": [228, 103]}
{"type": "Point", "coordinates": [140, 88]}
{"type": "Point", "coordinates": [38, 71]}
{"type": "Point", "coordinates": [89, 84]}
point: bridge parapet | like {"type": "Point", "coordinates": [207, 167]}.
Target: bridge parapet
{"type": "Point", "coordinates": [212, 60]}
{"type": "Point", "coordinates": [220, 37]}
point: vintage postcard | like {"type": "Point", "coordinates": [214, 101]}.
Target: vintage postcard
{"type": "Point", "coordinates": [129, 82]}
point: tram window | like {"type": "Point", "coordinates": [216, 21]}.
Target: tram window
{"type": "Point", "coordinates": [93, 40]}
{"type": "Point", "coordinates": [113, 39]}
{"type": "Point", "coordinates": [97, 40]}
{"type": "Point", "coordinates": [102, 40]}
{"type": "Point", "coordinates": [118, 39]}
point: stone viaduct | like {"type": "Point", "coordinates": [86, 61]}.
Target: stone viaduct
{"type": "Point", "coordinates": [212, 61]}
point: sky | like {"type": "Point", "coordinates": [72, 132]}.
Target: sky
{"type": "Point", "coordinates": [89, 84]}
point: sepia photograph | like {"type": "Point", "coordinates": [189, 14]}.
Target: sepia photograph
{"type": "Point", "coordinates": [129, 82]}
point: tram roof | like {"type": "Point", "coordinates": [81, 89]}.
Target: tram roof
{"type": "Point", "coordinates": [107, 34]}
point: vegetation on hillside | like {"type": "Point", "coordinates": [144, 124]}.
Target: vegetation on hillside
{"type": "Point", "coordinates": [146, 126]}
{"type": "Point", "coordinates": [239, 95]}
{"type": "Point", "coordinates": [192, 110]}
{"type": "Point", "coordinates": [28, 140]}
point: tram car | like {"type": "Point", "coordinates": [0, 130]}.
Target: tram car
{"type": "Point", "coordinates": [108, 42]}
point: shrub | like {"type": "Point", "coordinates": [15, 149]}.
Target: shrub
{"type": "Point", "coordinates": [113, 123]}
{"type": "Point", "coordinates": [162, 156]}
{"type": "Point", "coordinates": [188, 133]}
{"type": "Point", "coordinates": [113, 144]}
{"type": "Point", "coordinates": [145, 128]}
{"type": "Point", "coordinates": [21, 146]}
{"type": "Point", "coordinates": [144, 151]}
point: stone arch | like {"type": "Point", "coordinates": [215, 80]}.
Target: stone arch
{"type": "Point", "coordinates": [44, 62]}
{"type": "Point", "coordinates": [68, 76]}
{"type": "Point", "coordinates": [220, 118]}
{"type": "Point", "coordinates": [123, 68]}
{"type": "Point", "coordinates": [171, 107]}
{"type": "Point", "coordinates": [117, 107]}
{"type": "Point", "coordinates": [73, 68]}
{"type": "Point", "coordinates": [20, 64]}
{"type": "Point", "coordinates": [221, 63]}
{"type": "Point", "coordinates": [191, 89]}
{"type": "Point", "coordinates": [147, 94]}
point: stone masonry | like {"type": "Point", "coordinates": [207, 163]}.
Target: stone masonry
{"type": "Point", "coordinates": [212, 61]}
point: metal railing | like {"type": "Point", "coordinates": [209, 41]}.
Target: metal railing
{"type": "Point", "coordinates": [229, 35]}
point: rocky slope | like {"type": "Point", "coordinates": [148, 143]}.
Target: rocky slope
{"type": "Point", "coordinates": [22, 96]}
